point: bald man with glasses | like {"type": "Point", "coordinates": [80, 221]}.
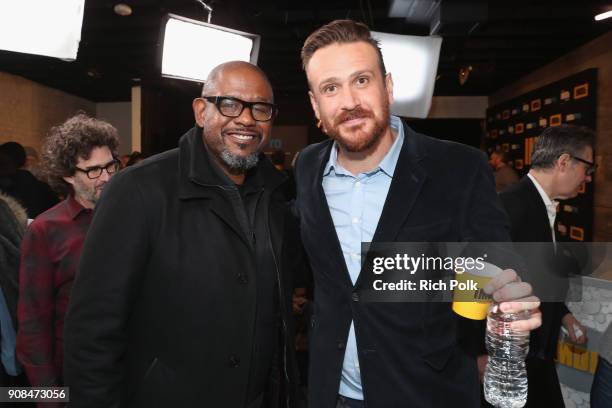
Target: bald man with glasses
{"type": "Point", "coordinates": [183, 297]}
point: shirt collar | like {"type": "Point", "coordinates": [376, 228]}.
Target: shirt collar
{"type": "Point", "coordinates": [551, 205]}
{"type": "Point", "coordinates": [387, 164]}
{"type": "Point", "coordinates": [74, 207]}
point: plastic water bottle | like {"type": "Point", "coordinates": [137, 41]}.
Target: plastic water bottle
{"type": "Point", "coordinates": [505, 378]}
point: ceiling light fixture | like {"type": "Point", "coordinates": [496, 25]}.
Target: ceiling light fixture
{"type": "Point", "coordinates": [413, 62]}
{"type": "Point", "coordinates": [94, 73]}
{"type": "Point", "coordinates": [122, 9]}
{"type": "Point", "coordinates": [464, 74]}
{"type": "Point", "coordinates": [222, 44]}
{"type": "Point", "coordinates": [208, 9]}
{"type": "Point", "coordinates": [53, 29]}
{"type": "Point", "coordinates": [603, 16]}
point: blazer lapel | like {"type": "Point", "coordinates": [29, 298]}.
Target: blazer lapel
{"type": "Point", "coordinates": [406, 185]}
{"type": "Point", "coordinates": [325, 222]}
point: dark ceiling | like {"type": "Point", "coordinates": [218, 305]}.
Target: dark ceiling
{"type": "Point", "coordinates": [501, 40]}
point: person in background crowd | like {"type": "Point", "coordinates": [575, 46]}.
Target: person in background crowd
{"type": "Point", "coordinates": [505, 175]}
{"type": "Point", "coordinates": [377, 180]}
{"type": "Point", "coordinates": [277, 157]}
{"type": "Point", "coordinates": [183, 296]}
{"type": "Point", "coordinates": [13, 220]}
{"type": "Point", "coordinates": [135, 157]}
{"type": "Point", "coordinates": [562, 161]}
{"type": "Point", "coordinates": [32, 163]}
{"type": "Point", "coordinates": [124, 159]}
{"type": "Point", "coordinates": [79, 158]}
{"type": "Point", "coordinates": [33, 194]}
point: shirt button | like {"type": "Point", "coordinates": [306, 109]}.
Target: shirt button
{"type": "Point", "coordinates": [243, 278]}
{"type": "Point", "coordinates": [356, 220]}
{"type": "Point", "coordinates": [358, 184]}
{"type": "Point", "coordinates": [234, 361]}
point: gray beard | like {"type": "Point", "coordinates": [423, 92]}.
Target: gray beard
{"type": "Point", "coordinates": [239, 164]}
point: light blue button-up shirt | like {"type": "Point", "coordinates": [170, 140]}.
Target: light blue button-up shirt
{"type": "Point", "coordinates": [355, 203]}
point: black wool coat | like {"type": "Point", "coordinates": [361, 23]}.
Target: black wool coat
{"type": "Point", "coordinates": [163, 307]}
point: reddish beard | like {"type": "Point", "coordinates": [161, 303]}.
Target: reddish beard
{"type": "Point", "coordinates": [360, 140]}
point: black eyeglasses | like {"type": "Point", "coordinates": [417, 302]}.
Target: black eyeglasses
{"type": "Point", "coordinates": [592, 167]}
{"type": "Point", "coordinates": [233, 107]}
{"type": "Point", "coordinates": [95, 172]}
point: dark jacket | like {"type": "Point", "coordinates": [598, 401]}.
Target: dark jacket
{"type": "Point", "coordinates": [33, 194]}
{"type": "Point", "coordinates": [13, 220]}
{"type": "Point", "coordinates": [529, 223]}
{"type": "Point", "coordinates": [408, 352]}
{"type": "Point", "coordinates": [163, 307]}
{"type": "Point", "coordinates": [546, 267]}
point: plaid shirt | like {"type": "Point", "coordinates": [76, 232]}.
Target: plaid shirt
{"type": "Point", "coordinates": [50, 254]}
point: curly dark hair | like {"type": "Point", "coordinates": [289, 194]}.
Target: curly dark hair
{"type": "Point", "coordinates": [74, 139]}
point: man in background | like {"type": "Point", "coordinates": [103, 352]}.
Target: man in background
{"type": "Point", "coordinates": [19, 183]}
{"type": "Point", "coordinates": [561, 162]}
{"type": "Point", "coordinates": [505, 175]}
{"type": "Point", "coordinates": [13, 219]}
{"type": "Point", "coordinates": [79, 159]}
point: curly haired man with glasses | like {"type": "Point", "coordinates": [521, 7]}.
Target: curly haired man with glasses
{"type": "Point", "coordinates": [79, 158]}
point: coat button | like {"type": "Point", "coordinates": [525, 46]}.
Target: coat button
{"type": "Point", "coordinates": [312, 322]}
{"type": "Point", "coordinates": [355, 297]}
{"type": "Point", "coordinates": [340, 345]}
{"type": "Point", "coordinates": [234, 361]}
{"type": "Point", "coordinates": [243, 278]}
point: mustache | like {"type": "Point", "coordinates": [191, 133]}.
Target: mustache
{"type": "Point", "coordinates": [356, 113]}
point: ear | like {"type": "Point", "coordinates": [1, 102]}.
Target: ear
{"type": "Point", "coordinates": [564, 161]}
{"type": "Point", "coordinates": [314, 104]}
{"type": "Point", "coordinates": [69, 180]}
{"type": "Point", "coordinates": [199, 106]}
{"type": "Point", "coordinates": [389, 87]}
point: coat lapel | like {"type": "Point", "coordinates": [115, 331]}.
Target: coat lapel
{"type": "Point", "coordinates": [199, 180]}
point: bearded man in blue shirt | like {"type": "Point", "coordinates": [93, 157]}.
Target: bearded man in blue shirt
{"type": "Point", "coordinates": [376, 180]}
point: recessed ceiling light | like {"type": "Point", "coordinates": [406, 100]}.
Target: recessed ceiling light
{"type": "Point", "coordinates": [603, 16]}
{"type": "Point", "coordinates": [94, 73]}
{"type": "Point", "coordinates": [122, 9]}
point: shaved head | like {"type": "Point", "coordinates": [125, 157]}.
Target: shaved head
{"type": "Point", "coordinates": [235, 140]}
{"type": "Point", "coordinates": [221, 71]}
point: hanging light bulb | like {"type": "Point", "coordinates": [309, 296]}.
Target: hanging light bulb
{"type": "Point", "coordinates": [464, 74]}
